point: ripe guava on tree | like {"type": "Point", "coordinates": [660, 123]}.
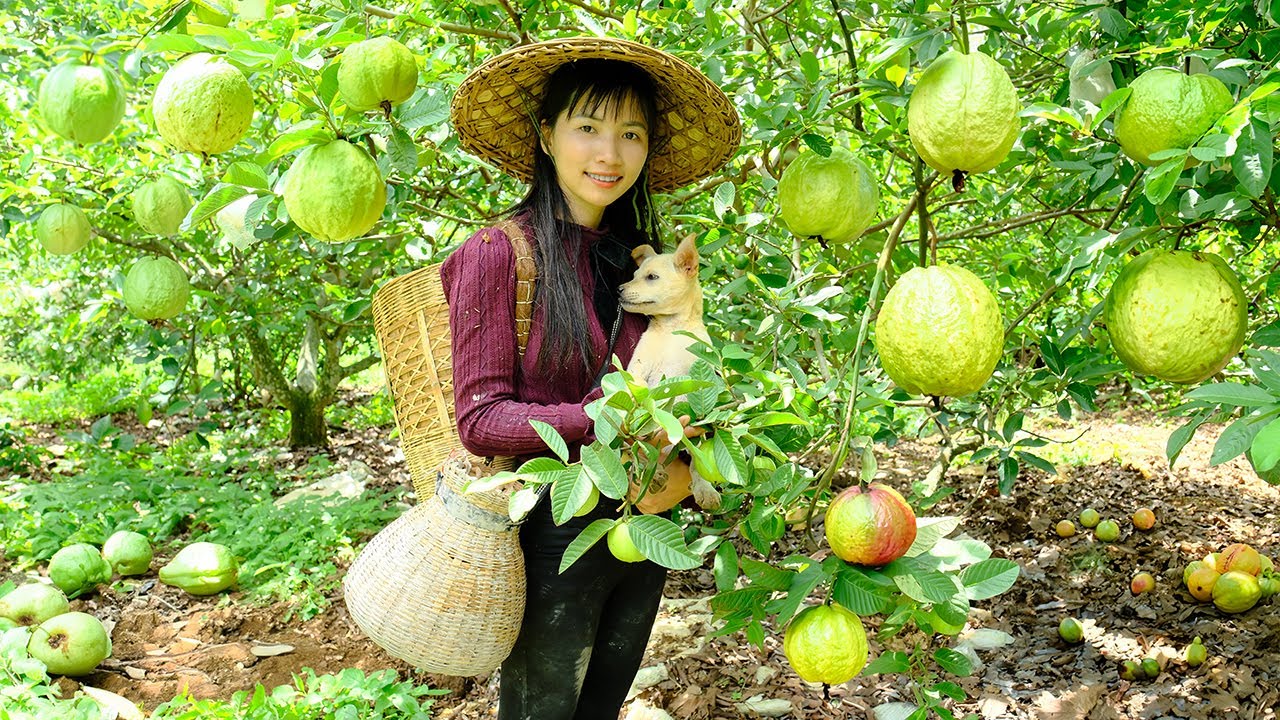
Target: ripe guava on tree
{"type": "Point", "coordinates": [939, 331]}
{"type": "Point", "coordinates": [156, 288]}
{"type": "Point", "coordinates": [62, 229]}
{"type": "Point", "coordinates": [80, 102]}
{"type": "Point", "coordinates": [1168, 109]}
{"type": "Point", "coordinates": [963, 113]}
{"type": "Point", "coordinates": [833, 197]}
{"type": "Point", "coordinates": [335, 191]}
{"type": "Point", "coordinates": [1176, 314]}
{"type": "Point", "coordinates": [826, 644]}
{"type": "Point", "coordinates": [161, 205]}
{"type": "Point", "coordinates": [376, 71]}
{"type": "Point", "coordinates": [203, 104]}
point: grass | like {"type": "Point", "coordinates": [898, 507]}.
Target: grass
{"type": "Point", "coordinates": [60, 402]}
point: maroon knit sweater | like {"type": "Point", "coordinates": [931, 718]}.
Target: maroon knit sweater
{"type": "Point", "coordinates": [496, 392]}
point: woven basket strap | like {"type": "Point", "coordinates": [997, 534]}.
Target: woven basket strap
{"type": "Point", "coordinates": [526, 278]}
{"type": "Point", "coordinates": [465, 512]}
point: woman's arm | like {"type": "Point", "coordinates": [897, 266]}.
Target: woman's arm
{"type": "Point", "coordinates": [479, 282]}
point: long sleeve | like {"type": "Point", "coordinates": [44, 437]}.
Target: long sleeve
{"type": "Point", "coordinates": [479, 281]}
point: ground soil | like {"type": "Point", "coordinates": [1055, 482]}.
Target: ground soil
{"type": "Point", "coordinates": [166, 640]}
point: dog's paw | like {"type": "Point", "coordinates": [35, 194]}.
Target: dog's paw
{"type": "Point", "coordinates": [704, 493]}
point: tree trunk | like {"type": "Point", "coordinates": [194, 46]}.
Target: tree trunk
{"type": "Point", "coordinates": [307, 427]}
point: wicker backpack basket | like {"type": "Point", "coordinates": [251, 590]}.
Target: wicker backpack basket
{"type": "Point", "coordinates": [443, 586]}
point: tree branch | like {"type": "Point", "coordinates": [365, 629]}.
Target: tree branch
{"type": "Point", "coordinates": [446, 26]}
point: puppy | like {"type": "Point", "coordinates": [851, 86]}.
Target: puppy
{"type": "Point", "coordinates": [665, 287]}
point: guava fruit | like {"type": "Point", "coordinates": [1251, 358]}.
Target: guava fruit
{"type": "Point", "coordinates": [201, 568]}
{"type": "Point", "coordinates": [78, 569]}
{"type": "Point", "coordinates": [834, 197]}
{"type": "Point", "coordinates": [1176, 314]}
{"type": "Point", "coordinates": [1065, 528]}
{"type": "Point", "coordinates": [156, 288]}
{"type": "Point", "coordinates": [1070, 630]}
{"type": "Point", "coordinates": [620, 544]}
{"type": "Point", "coordinates": [70, 644]}
{"type": "Point", "coordinates": [1151, 668]}
{"type": "Point", "coordinates": [1196, 653]}
{"type": "Point", "coordinates": [1107, 531]}
{"type": "Point", "coordinates": [231, 221]}
{"type": "Point", "coordinates": [939, 331]}
{"type": "Point", "coordinates": [1268, 584]}
{"type": "Point", "coordinates": [1239, 556]}
{"type": "Point", "coordinates": [203, 104]}
{"type": "Point", "coordinates": [33, 603]}
{"type": "Point", "coordinates": [963, 113]}
{"type": "Point", "coordinates": [212, 12]}
{"type": "Point", "coordinates": [1190, 568]}
{"type": "Point", "coordinates": [1168, 109]}
{"type": "Point", "coordinates": [1236, 592]}
{"type": "Point", "coordinates": [590, 503]}
{"type": "Point", "coordinates": [870, 526]}
{"type": "Point", "coordinates": [335, 191]}
{"type": "Point", "coordinates": [161, 205]}
{"type": "Point", "coordinates": [1144, 518]}
{"type": "Point", "coordinates": [826, 644]}
{"type": "Point", "coordinates": [1094, 87]}
{"type": "Point", "coordinates": [376, 71]}
{"type": "Point", "coordinates": [1142, 583]}
{"type": "Point", "coordinates": [80, 102]}
{"type": "Point", "coordinates": [128, 552]}
{"type": "Point", "coordinates": [62, 229]}
{"type": "Point", "coordinates": [1089, 517]}
{"type": "Point", "coordinates": [1201, 581]}
{"type": "Point", "coordinates": [1131, 670]}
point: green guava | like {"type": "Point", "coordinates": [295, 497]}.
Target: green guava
{"type": "Point", "coordinates": [70, 644]}
{"type": "Point", "coordinates": [212, 12]}
{"type": "Point", "coordinates": [1271, 476]}
{"type": "Point", "coordinates": [939, 331]}
{"type": "Point", "coordinates": [161, 205]}
{"type": "Point", "coordinates": [621, 545]}
{"type": "Point", "coordinates": [376, 71]}
{"type": "Point", "coordinates": [33, 603]}
{"type": "Point", "coordinates": [128, 552]}
{"type": "Point", "coordinates": [834, 197]}
{"type": "Point", "coordinates": [1094, 87]}
{"type": "Point", "coordinates": [231, 221]}
{"type": "Point", "coordinates": [203, 104]}
{"type": "Point", "coordinates": [1176, 314]}
{"type": "Point", "coordinates": [79, 568]}
{"type": "Point", "coordinates": [62, 229]}
{"type": "Point", "coordinates": [826, 644]}
{"type": "Point", "coordinates": [82, 103]}
{"type": "Point", "coordinates": [335, 191]}
{"type": "Point", "coordinates": [963, 113]}
{"type": "Point", "coordinates": [201, 568]}
{"type": "Point", "coordinates": [1168, 109]}
{"type": "Point", "coordinates": [156, 288]}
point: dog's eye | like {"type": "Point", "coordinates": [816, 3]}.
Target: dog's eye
{"type": "Point", "coordinates": [652, 276]}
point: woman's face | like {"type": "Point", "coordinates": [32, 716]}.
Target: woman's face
{"type": "Point", "coordinates": [598, 154]}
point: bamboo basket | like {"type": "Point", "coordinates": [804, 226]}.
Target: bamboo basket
{"type": "Point", "coordinates": [443, 586]}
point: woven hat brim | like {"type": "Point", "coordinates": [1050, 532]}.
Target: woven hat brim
{"type": "Point", "coordinates": [698, 129]}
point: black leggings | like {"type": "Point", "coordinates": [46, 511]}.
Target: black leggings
{"type": "Point", "coordinates": [584, 631]}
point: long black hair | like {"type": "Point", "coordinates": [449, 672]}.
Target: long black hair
{"type": "Point", "coordinates": [593, 85]}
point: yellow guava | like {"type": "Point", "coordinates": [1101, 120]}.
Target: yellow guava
{"type": "Point", "coordinates": [834, 197]}
{"type": "Point", "coordinates": [62, 229]}
{"type": "Point", "coordinates": [161, 205]}
{"type": "Point", "coordinates": [335, 191]}
{"type": "Point", "coordinates": [1168, 109]}
{"type": "Point", "coordinates": [963, 113]}
{"type": "Point", "coordinates": [1176, 314]}
{"type": "Point", "coordinates": [620, 544]}
{"type": "Point", "coordinates": [939, 331]}
{"type": "Point", "coordinates": [1236, 592]}
{"type": "Point", "coordinates": [376, 71]}
{"type": "Point", "coordinates": [203, 104]}
{"type": "Point", "coordinates": [826, 644]}
{"type": "Point", "coordinates": [82, 103]}
{"type": "Point", "coordinates": [156, 288]}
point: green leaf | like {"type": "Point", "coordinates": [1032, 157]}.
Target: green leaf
{"type": "Point", "coordinates": [1265, 449]}
{"type": "Point", "coordinates": [802, 584]}
{"type": "Point", "coordinates": [310, 132]}
{"type": "Point", "coordinates": [738, 600]}
{"type": "Point", "coordinates": [1012, 425]}
{"type": "Point", "coordinates": [1036, 461]}
{"type": "Point", "coordinates": [428, 109]}
{"type": "Point", "coordinates": [1109, 105]}
{"type": "Point", "coordinates": [892, 662]}
{"type": "Point", "coordinates": [926, 586]}
{"type": "Point", "coordinates": [929, 530]}
{"type": "Point", "coordinates": [809, 65]}
{"type": "Point", "coordinates": [662, 541]}
{"type": "Point", "coordinates": [722, 198]}
{"type": "Point", "coordinates": [605, 469]}
{"type": "Point", "coordinates": [1008, 472]}
{"type": "Point", "coordinates": [952, 661]}
{"type": "Point", "coordinates": [725, 567]}
{"type": "Point", "coordinates": [1179, 438]}
{"type": "Point", "coordinates": [954, 611]}
{"type": "Point", "coordinates": [588, 537]}
{"type": "Point", "coordinates": [1229, 393]}
{"type": "Point", "coordinates": [817, 143]}
{"type": "Point", "coordinates": [552, 438]}
{"type": "Point", "coordinates": [1160, 182]}
{"type": "Point", "coordinates": [1234, 440]}
{"type": "Point", "coordinates": [403, 153]}
{"type": "Point", "coordinates": [1113, 23]}
{"type": "Point", "coordinates": [762, 574]}
{"type": "Point", "coordinates": [988, 578]}
{"type": "Point", "coordinates": [568, 493]}
{"type": "Point", "coordinates": [246, 174]}
{"type": "Point", "coordinates": [730, 460]}
{"type": "Point", "coordinates": [854, 590]}
{"type": "Point", "coordinates": [1252, 160]}
{"type": "Point", "coordinates": [219, 197]}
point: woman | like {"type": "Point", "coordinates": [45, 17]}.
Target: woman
{"type": "Point", "coordinates": [591, 124]}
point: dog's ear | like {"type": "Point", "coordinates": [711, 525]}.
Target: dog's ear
{"type": "Point", "coordinates": [642, 253]}
{"type": "Point", "coordinates": [687, 255]}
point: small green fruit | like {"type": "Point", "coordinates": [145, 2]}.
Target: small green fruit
{"type": "Point", "coordinates": [1196, 653]}
{"type": "Point", "coordinates": [1151, 668]}
{"type": "Point", "coordinates": [376, 71]}
{"type": "Point", "coordinates": [128, 552]}
{"type": "Point", "coordinates": [1131, 670]}
{"type": "Point", "coordinates": [70, 644]}
{"type": "Point", "coordinates": [619, 540]}
{"type": "Point", "coordinates": [1089, 517]}
{"type": "Point", "coordinates": [79, 568]}
{"type": "Point", "coordinates": [156, 288]}
{"type": "Point", "coordinates": [590, 503]}
{"type": "Point", "coordinates": [1071, 630]}
{"type": "Point", "coordinates": [62, 229]}
{"type": "Point", "coordinates": [1107, 531]}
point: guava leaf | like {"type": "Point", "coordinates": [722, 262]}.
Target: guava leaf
{"type": "Point", "coordinates": [588, 537]}
{"type": "Point", "coordinates": [989, 578]}
{"type": "Point", "coordinates": [1252, 160]}
{"type": "Point", "coordinates": [1265, 448]}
